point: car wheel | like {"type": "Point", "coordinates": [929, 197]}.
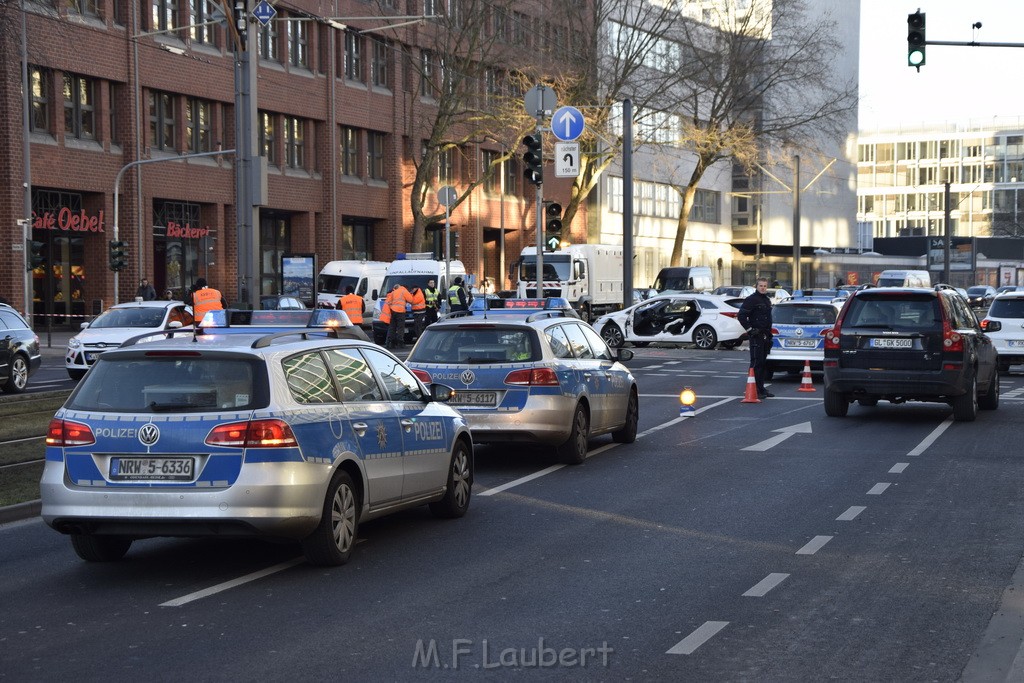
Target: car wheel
{"type": "Point", "coordinates": [459, 487]}
{"type": "Point", "coordinates": [574, 450]}
{"type": "Point", "coordinates": [836, 404]}
{"type": "Point", "coordinates": [628, 432]}
{"type": "Point", "coordinates": [100, 548]}
{"type": "Point", "coordinates": [704, 337]}
{"type": "Point", "coordinates": [990, 400]}
{"type": "Point", "coordinates": [76, 374]}
{"type": "Point", "coordinates": [331, 542]}
{"type": "Point", "coordinates": [18, 379]}
{"type": "Point", "coordinates": [867, 402]}
{"type": "Point", "coordinates": [965, 406]}
{"type": "Point", "coordinates": [612, 335]}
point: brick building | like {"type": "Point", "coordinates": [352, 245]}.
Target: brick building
{"type": "Point", "coordinates": [340, 116]}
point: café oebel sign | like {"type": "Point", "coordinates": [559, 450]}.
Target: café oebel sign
{"type": "Point", "coordinates": [66, 219]}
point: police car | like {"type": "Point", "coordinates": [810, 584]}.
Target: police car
{"type": "Point", "coordinates": [287, 435]}
{"type": "Point", "coordinates": [798, 329]}
{"type": "Point", "coordinates": [319, 320]}
{"type": "Point", "coordinates": [531, 375]}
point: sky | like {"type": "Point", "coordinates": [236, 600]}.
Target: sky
{"type": "Point", "coordinates": [956, 83]}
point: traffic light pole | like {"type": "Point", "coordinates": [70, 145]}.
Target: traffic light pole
{"type": "Point", "coordinates": [540, 213]}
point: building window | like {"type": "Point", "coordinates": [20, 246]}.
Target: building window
{"type": "Point", "coordinates": [349, 151]}
{"type": "Point", "coordinates": [275, 234]}
{"type": "Point", "coordinates": [705, 207]}
{"type": "Point", "coordinates": [381, 63]}
{"type": "Point", "coordinates": [79, 107]}
{"type": "Point", "coordinates": [446, 166]}
{"type": "Point", "coordinates": [353, 56]}
{"type": "Point", "coordinates": [116, 90]}
{"type": "Point", "coordinates": [39, 83]}
{"type": "Point", "coordinates": [268, 42]}
{"type": "Point", "coordinates": [84, 7]}
{"type": "Point", "coordinates": [428, 86]}
{"type": "Point", "coordinates": [165, 15]}
{"type": "Point", "coordinates": [511, 171]}
{"type": "Point", "coordinates": [294, 142]}
{"type": "Point", "coordinates": [267, 138]}
{"type": "Point", "coordinates": [375, 155]}
{"type": "Point", "coordinates": [357, 239]}
{"type": "Point", "coordinates": [298, 48]}
{"type": "Point", "coordinates": [198, 115]}
{"type": "Point", "coordinates": [161, 121]}
{"type": "Point", "coordinates": [200, 12]}
{"type": "Point", "coordinates": [492, 179]}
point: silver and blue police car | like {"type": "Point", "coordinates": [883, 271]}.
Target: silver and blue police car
{"type": "Point", "coordinates": [531, 373]}
{"type": "Point", "coordinates": [798, 329]}
{"type": "Point", "coordinates": [288, 435]}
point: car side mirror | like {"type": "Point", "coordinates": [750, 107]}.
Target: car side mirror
{"type": "Point", "coordinates": [174, 324]}
{"type": "Point", "coordinates": [85, 325]}
{"type": "Point", "coordinates": [441, 392]}
{"type": "Point", "coordinates": [993, 326]}
{"type": "Point", "coordinates": [623, 354]}
{"type": "Point", "coordinates": [373, 295]}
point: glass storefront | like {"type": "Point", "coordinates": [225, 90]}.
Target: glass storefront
{"type": "Point", "coordinates": [60, 284]}
{"type": "Point", "coordinates": [182, 247]}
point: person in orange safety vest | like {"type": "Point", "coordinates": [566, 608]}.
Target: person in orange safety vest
{"type": "Point", "coordinates": [419, 311]}
{"type": "Point", "coordinates": [396, 300]}
{"type": "Point", "coordinates": [204, 299]}
{"type": "Point", "coordinates": [352, 304]}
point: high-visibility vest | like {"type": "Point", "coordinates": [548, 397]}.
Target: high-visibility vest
{"type": "Point", "coordinates": [203, 300]}
{"type": "Point", "coordinates": [418, 301]}
{"type": "Point", "coordinates": [430, 297]}
{"type": "Point", "coordinates": [385, 315]}
{"type": "Point", "coordinates": [352, 304]}
{"type": "Point", "coordinates": [453, 295]}
{"type": "Point", "coordinates": [396, 299]}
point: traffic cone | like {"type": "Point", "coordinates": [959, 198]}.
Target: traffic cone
{"type": "Point", "coordinates": [750, 395]}
{"type": "Point", "coordinates": [806, 384]}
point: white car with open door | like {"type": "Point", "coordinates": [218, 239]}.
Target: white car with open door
{"type": "Point", "coordinates": [704, 320]}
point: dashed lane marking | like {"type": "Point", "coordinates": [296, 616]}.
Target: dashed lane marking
{"type": "Point", "coordinates": [814, 545]}
{"type": "Point", "coordinates": [762, 587]}
{"type": "Point", "coordinates": [851, 513]}
{"type": "Point", "coordinates": [879, 488]}
{"type": "Point", "coordinates": [899, 467]}
{"type": "Point", "coordinates": [930, 439]}
{"type": "Point", "coordinates": [704, 633]}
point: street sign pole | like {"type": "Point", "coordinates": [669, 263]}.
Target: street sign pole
{"type": "Point", "coordinates": [540, 215]}
{"type": "Point", "coordinates": [447, 250]}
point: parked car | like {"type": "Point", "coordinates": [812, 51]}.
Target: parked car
{"type": "Point", "coordinates": [281, 436]}
{"type": "Point", "coordinates": [798, 334]}
{"type": "Point", "coordinates": [1009, 288]}
{"type": "Point", "coordinates": [118, 323]}
{"type": "Point", "coordinates": [1007, 310]}
{"type": "Point", "coordinates": [910, 344]}
{"type": "Point", "coordinates": [280, 302]}
{"type": "Point", "coordinates": [19, 351]}
{"type": "Point", "coordinates": [542, 377]}
{"type": "Point", "coordinates": [980, 296]}
{"type": "Point", "coordinates": [740, 291]}
{"type": "Point", "coordinates": [704, 320]}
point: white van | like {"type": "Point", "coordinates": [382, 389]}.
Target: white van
{"type": "Point", "coordinates": [904, 278]}
{"type": "Point", "coordinates": [414, 270]}
{"type": "Point", "coordinates": [365, 277]}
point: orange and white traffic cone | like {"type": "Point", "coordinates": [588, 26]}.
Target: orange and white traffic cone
{"type": "Point", "coordinates": [750, 395]}
{"type": "Point", "coordinates": [806, 383]}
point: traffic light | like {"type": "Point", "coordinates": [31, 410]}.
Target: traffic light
{"type": "Point", "coordinates": [454, 245]}
{"type": "Point", "coordinates": [118, 255]}
{"type": "Point", "coordinates": [915, 39]}
{"type": "Point", "coordinates": [553, 226]}
{"type": "Point", "coordinates": [534, 159]}
{"type": "Point", "coordinates": [35, 254]}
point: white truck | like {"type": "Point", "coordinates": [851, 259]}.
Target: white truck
{"type": "Point", "coordinates": [588, 275]}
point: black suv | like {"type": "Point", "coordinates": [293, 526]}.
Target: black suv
{"type": "Point", "coordinates": [908, 344]}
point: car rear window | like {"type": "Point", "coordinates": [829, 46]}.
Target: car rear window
{"type": "Point", "coordinates": [804, 315]}
{"type": "Point", "coordinates": [903, 312]}
{"type": "Point", "coordinates": [476, 345]}
{"type": "Point", "coordinates": [1007, 308]}
{"type": "Point", "coordinates": [977, 290]}
{"type": "Point", "coordinates": [144, 383]}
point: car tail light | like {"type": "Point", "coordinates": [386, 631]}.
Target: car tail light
{"type": "Point", "coordinates": [775, 331]}
{"type": "Point", "coordinates": [66, 433]}
{"type": "Point", "coordinates": [533, 377]}
{"type": "Point", "coordinates": [730, 314]}
{"type": "Point", "coordinates": [984, 324]}
{"type": "Point", "coordinates": [423, 376]}
{"type": "Point", "coordinates": [951, 339]}
{"type": "Point", "coordinates": [253, 434]}
{"type": "Point", "coordinates": [832, 334]}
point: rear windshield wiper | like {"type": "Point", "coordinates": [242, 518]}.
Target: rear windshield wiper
{"type": "Point", "coordinates": [160, 407]}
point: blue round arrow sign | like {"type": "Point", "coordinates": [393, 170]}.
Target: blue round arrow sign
{"type": "Point", "coordinates": [567, 123]}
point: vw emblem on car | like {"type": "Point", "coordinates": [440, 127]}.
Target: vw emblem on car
{"type": "Point", "coordinates": [149, 434]}
{"type": "Point", "coordinates": [467, 377]}
{"type": "Point", "coordinates": [799, 332]}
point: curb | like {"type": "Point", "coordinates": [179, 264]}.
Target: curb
{"type": "Point", "coordinates": [20, 511]}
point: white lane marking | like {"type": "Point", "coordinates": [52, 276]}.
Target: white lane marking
{"type": "Point", "coordinates": [704, 633]}
{"type": "Point", "coordinates": [786, 432]}
{"type": "Point", "coordinates": [764, 585]}
{"type": "Point", "coordinates": [878, 489]}
{"type": "Point", "coordinates": [930, 439]}
{"type": "Point", "coordinates": [814, 545]}
{"type": "Point", "coordinates": [851, 513]}
{"type": "Point", "coordinates": [212, 590]}
{"type": "Point", "coordinates": [520, 480]}
{"type": "Point", "coordinates": [899, 467]}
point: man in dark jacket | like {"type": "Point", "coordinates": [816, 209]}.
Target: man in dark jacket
{"type": "Point", "coordinates": [756, 317]}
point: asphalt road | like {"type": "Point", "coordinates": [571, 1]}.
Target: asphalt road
{"type": "Point", "coordinates": [762, 542]}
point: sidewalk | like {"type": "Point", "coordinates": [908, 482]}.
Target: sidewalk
{"type": "Point", "coordinates": [54, 344]}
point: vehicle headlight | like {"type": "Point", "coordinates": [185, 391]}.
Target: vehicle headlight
{"type": "Point", "coordinates": [74, 343]}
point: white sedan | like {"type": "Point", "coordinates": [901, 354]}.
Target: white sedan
{"type": "Point", "coordinates": [704, 320]}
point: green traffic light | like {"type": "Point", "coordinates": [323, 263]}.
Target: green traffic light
{"type": "Point", "coordinates": [915, 58]}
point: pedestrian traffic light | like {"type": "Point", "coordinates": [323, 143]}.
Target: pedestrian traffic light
{"type": "Point", "coordinates": [35, 254]}
{"type": "Point", "coordinates": [534, 159]}
{"type": "Point", "coordinates": [553, 226]}
{"type": "Point", "coordinates": [454, 245]}
{"type": "Point", "coordinates": [915, 39]}
{"type": "Point", "coordinates": [118, 255]}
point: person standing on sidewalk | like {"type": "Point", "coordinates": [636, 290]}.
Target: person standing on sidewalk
{"type": "Point", "coordinates": [756, 317]}
{"type": "Point", "coordinates": [430, 298]}
{"type": "Point", "coordinates": [145, 291]}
